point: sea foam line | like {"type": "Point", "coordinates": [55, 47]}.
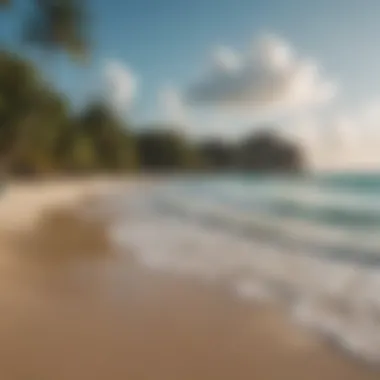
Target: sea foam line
{"type": "Point", "coordinates": [341, 300]}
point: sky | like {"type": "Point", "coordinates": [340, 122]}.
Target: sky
{"type": "Point", "coordinates": [221, 67]}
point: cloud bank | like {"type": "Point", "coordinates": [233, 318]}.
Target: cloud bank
{"type": "Point", "coordinates": [345, 139]}
{"type": "Point", "coordinates": [270, 76]}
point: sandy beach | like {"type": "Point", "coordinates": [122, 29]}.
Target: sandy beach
{"type": "Point", "coordinates": [74, 308]}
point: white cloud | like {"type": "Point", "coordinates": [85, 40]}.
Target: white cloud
{"type": "Point", "coordinates": [347, 139]}
{"type": "Point", "coordinates": [122, 85]}
{"type": "Point", "coordinates": [225, 59]}
{"type": "Point", "coordinates": [269, 77]}
{"type": "Point", "coordinates": [239, 91]}
{"type": "Point", "coordinates": [173, 110]}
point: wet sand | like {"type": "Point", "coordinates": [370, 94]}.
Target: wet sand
{"type": "Point", "coordinates": [72, 308]}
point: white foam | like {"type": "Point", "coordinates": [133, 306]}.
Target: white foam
{"type": "Point", "coordinates": [307, 195]}
{"type": "Point", "coordinates": [338, 299]}
{"type": "Point", "coordinates": [289, 227]}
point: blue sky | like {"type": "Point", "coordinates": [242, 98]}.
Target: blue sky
{"type": "Point", "coordinates": [168, 42]}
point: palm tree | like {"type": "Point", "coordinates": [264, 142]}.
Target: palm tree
{"type": "Point", "coordinates": [58, 25]}
{"type": "Point", "coordinates": [53, 25]}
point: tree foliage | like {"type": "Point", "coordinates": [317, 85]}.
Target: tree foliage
{"type": "Point", "coordinates": [161, 148]}
{"type": "Point", "coordinates": [40, 134]}
{"type": "Point", "coordinates": [217, 155]}
{"type": "Point", "coordinates": [264, 151]}
{"type": "Point", "coordinates": [54, 25]}
{"type": "Point", "coordinates": [110, 138]}
{"type": "Point", "coordinates": [20, 93]}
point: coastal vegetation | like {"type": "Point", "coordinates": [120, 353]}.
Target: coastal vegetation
{"type": "Point", "coordinates": [41, 133]}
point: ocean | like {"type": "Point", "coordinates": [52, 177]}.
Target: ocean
{"type": "Point", "coordinates": [310, 243]}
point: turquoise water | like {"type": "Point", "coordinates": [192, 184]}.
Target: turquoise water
{"type": "Point", "coordinates": [334, 215]}
{"type": "Point", "coordinates": [311, 243]}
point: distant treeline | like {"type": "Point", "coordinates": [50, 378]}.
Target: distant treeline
{"type": "Point", "coordinates": [40, 134]}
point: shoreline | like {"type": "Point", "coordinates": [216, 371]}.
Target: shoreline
{"type": "Point", "coordinates": [119, 320]}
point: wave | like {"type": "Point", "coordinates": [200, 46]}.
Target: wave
{"type": "Point", "coordinates": [328, 278]}
{"type": "Point", "coordinates": [282, 196]}
{"type": "Point", "coordinates": [290, 232]}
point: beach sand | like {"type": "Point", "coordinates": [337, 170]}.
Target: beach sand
{"type": "Point", "coordinates": [73, 308]}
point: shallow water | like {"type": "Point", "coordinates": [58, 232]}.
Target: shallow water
{"type": "Point", "coordinates": [312, 244]}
